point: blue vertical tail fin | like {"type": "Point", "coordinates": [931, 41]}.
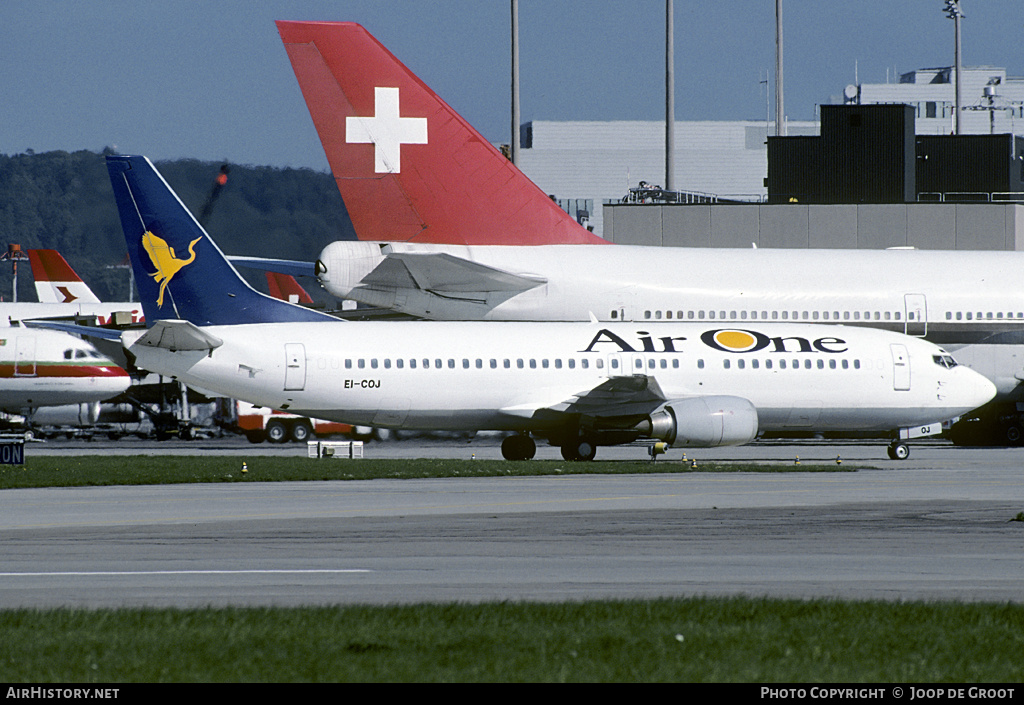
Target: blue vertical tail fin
{"type": "Point", "coordinates": [180, 271]}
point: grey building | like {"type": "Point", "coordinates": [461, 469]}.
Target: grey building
{"type": "Point", "coordinates": [591, 168]}
{"type": "Point", "coordinates": [586, 164]}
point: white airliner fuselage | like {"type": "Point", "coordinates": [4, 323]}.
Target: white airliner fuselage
{"type": "Point", "coordinates": [953, 297]}
{"type": "Point", "coordinates": [49, 368]}
{"type": "Point", "coordinates": [520, 376]}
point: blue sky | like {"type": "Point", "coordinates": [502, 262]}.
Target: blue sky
{"type": "Point", "coordinates": [210, 80]}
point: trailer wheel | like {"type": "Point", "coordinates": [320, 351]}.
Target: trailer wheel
{"type": "Point", "coordinates": [277, 432]}
{"type": "Point", "coordinates": [301, 431]}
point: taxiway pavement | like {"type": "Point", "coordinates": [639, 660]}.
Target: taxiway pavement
{"type": "Point", "coordinates": [939, 526]}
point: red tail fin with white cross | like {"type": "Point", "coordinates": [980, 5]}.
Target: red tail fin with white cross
{"type": "Point", "coordinates": [409, 168]}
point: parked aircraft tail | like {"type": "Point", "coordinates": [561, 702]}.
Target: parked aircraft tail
{"type": "Point", "coordinates": [287, 288]}
{"type": "Point", "coordinates": [56, 282]}
{"type": "Point", "coordinates": [180, 272]}
{"type": "Point", "coordinates": [408, 166]}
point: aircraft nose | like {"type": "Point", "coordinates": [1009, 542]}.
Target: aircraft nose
{"type": "Point", "coordinates": [111, 378]}
{"type": "Point", "coordinates": [977, 389]}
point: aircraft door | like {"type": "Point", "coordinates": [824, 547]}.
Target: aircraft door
{"type": "Point", "coordinates": [916, 319]}
{"type": "Point", "coordinates": [900, 367]}
{"type": "Point", "coordinates": [615, 368]}
{"type": "Point", "coordinates": [25, 356]}
{"type": "Point", "coordinates": [295, 367]}
{"type": "Point", "coordinates": [636, 365]}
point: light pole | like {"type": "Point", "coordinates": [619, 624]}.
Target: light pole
{"type": "Point", "coordinates": [780, 111]}
{"type": "Point", "coordinates": [670, 100]}
{"type": "Point", "coordinates": [954, 13]}
{"type": "Point", "coordinates": [515, 83]}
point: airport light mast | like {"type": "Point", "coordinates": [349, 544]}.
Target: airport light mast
{"type": "Point", "coordinates": [514, 145]}
{"type": "Point", "coordinates": [670, 101]}
{"type": "Point", "coordinates": [14, 255]}
{"type": "Point", "coordinates": [780, 112]}
{"type": "Point", "coordinates": [954, 13]}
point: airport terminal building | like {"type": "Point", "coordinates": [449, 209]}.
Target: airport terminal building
{"type": "Point", "coordinates": [740, 186]}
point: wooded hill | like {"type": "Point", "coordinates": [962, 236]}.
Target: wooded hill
{"type": "Point", "coordinates": [64, 201]}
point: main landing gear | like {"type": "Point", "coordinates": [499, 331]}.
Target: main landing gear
{"type": "Point", "coordinates": [898, 450]}
{"type": "Point", "coordinates": [522, 447]}
{"type": "Point", "coordinates": [518, 447]}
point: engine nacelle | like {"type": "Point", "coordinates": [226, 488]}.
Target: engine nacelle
{"type": "Point", "coordinates": [343, 264]}
{"type": "Point", "coordinates": [85, 414]}
{"type": "Point", "coordinates": [704, 422]}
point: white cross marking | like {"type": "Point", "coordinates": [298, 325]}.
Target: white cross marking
{"type": "Point", "coordinates": [386, 130]}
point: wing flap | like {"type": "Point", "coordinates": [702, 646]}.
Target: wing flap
{"type": "Point", "coordinates": [619, 396]}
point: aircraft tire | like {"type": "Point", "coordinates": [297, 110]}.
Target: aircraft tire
{"type": "Point", "coordinates": [1012, 434]}
{"type": "Point", "coordinates": [586, 451]}
{"type": "Point", "coordinates": [518, 447]}
{"type": "Point", "coordinates": [898, 451]}
{"type": "Point", "coordinates": [579, 450]}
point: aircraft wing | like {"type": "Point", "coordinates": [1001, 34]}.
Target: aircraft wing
{"type": "Point", "coordinates": [618, 396]}
{"type": "Point", "coordinates": [441, 272]}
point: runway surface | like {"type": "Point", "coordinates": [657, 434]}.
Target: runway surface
{"type": "Point", "coordinates": [938, 526]}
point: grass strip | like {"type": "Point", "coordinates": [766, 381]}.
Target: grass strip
{"type": "Point", "coordinates": [77, 471]}
{"type": "Point", "coordinates": [691, 640]}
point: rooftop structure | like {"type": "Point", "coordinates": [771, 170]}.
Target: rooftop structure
{"type": "Point", "coordinates": [992, 102]}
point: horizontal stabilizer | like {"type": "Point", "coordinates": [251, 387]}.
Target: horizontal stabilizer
{"type": "Point", "coordinates": [281, 266]}
{"type": "Point", "coordinates": [441, 272]}
{"type": "Point", "coordinates": [74, 328]}
{"type": "Point", "coordinates": [178, 336]}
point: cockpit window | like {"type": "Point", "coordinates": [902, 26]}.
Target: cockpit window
{"type": "Point", "coordinates": [945, 360]}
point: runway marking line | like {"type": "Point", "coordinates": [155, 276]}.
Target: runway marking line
{"type": "Point", "coordinates": [180, 572]}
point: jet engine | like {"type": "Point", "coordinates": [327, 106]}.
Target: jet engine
{"type": "Point", "coordinates": [343, 264]}
{"type": "Point", "coordinates": [85, 414]}
{"type": "Point", "coordinates": [703, 422]}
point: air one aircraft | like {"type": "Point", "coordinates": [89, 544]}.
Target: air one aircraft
{"type": "Point", "coordinates": [577, 384]}
{"type": "Point", "coordinates": [443, 218]}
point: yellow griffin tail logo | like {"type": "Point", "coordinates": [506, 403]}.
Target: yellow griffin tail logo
{"type": "Point", "coordinates": [163, 258]}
